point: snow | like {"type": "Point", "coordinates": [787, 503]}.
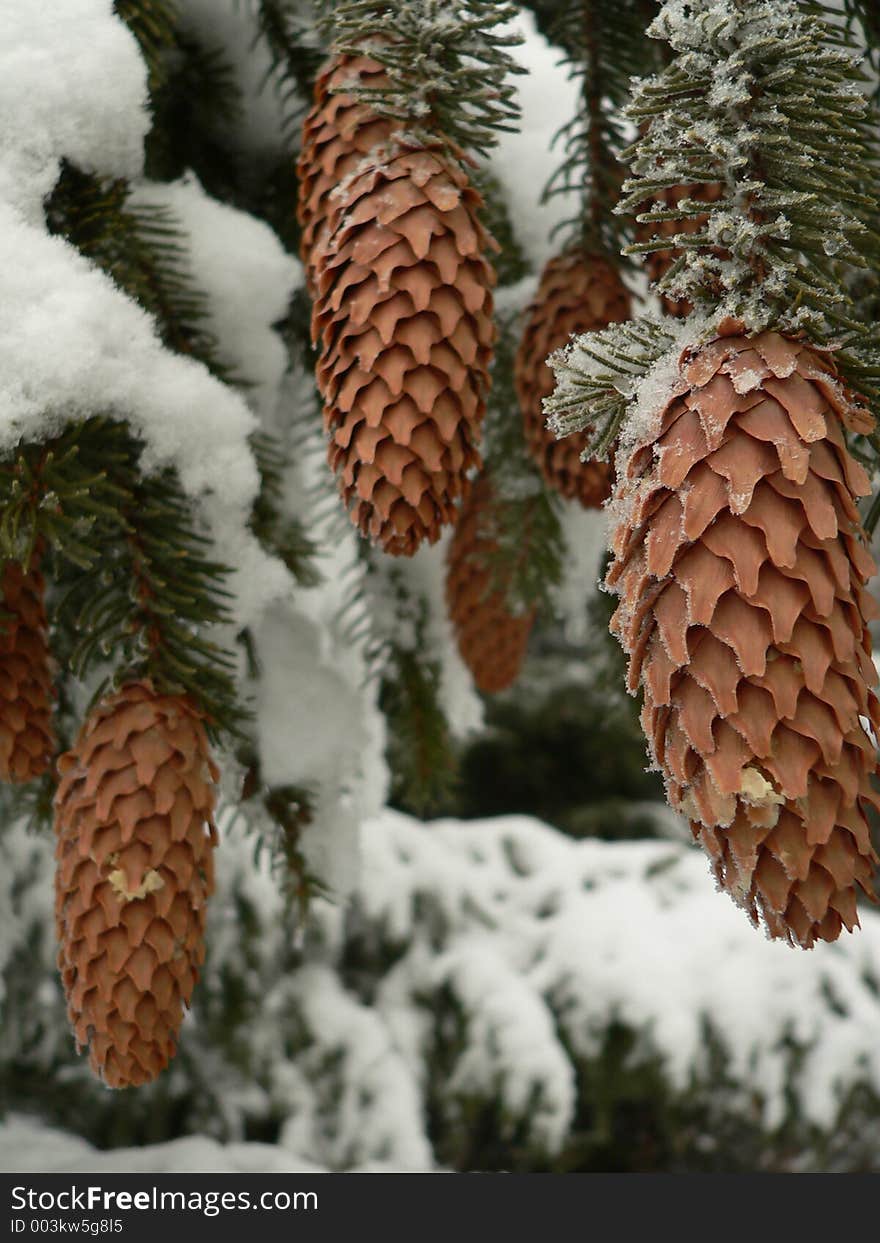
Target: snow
{"type": "Point", "coordinates": [630, 929]}
{"type": "Point", "coordinates": [548, 98]}
{"type": "Point", "coordinates": [26, 1146]}
{"type": "Point", "coordinates": [586, 535]}
{"type": "Point", "coordinates": [72, 83]}
{"type": "Point", "coordinates": [491, 956]}
{"type": "Point", "coordinates": [247, 277]}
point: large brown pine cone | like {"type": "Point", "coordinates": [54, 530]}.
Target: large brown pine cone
{"type": "Point", "coordinates": [577, 293]}
{"type": "Point", "coordinates": [27, 739]}
{"type": "Point", "coordinates": [403, 320]}
{"type": "Point", "coordinates": [134, 821]}
{"type": "Point", "coordinates": [492, 640]}
{"type": "Point", "coordinates": [740, 565]}
{"type": "Point", "coordinates": [658, 262]}
{"type": "Point", "coordinates": [338, 133]}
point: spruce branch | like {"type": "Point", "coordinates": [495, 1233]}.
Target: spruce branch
{"type": "Point", "coordinates": [605, 48]}
{"type": "Point", "coordinates": [523, 518]}
{"type": "Point", "coordinates": [764, 99]}
{"type": "Point", "coordinates": [420, 752]}
{"type": "Point", "coordinates": [447, 61]}
{"type": "Point", "coordinates": [598, 377]}
{"type": "Point", "coordinates": [154, 24]}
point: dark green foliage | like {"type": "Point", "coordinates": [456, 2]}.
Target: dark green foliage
{"type": "Point", "coordinates": [138, 586]}
{"type": "Point", "coordinates": [286, 537]}
{"type": "Point", "coordinates": [448, 64]}
{"type": "Point", "coordinates": [606, 46]}
{"type": "Point", "coordinates": [420, 752]}
{"type": "Point", "coordinates": [509, 260]}
{"type": "Point", "coordinates": [154, 24]}
{"type": "Point", "coordinates": [524, 517]}
{"type": "Point", "coordinates": [194, 107]}
{"type": "Point", "coordinates": [763, 99]}
{"type": "Point", "coordinates": [560, 751]}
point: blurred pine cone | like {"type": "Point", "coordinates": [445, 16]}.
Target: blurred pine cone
{"type": "Point", "coordinates": [492, 640]}
{"type": "Point", "coordinates": [27, 739]}
{"type": "Point", "coordinates": [576, 294]}
{"type": "Point", "coordinates": [134, 822]}
{"type": "Point", "coordinates": [740, 565]}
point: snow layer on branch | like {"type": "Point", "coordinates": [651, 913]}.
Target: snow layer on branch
{"type": "Point", "coordinates": [73, 345]}
{"type": "Point", "coordinates": [72, 83]}
{"type": "Point", "coordinates": [247, 276]}
{"type": "Point", "coordinates": [598, 929]}
{"type": "Point", "coordinates": [318, 722]}
{"type": "Point", "coordinates": [523, 161]}
{"type": "Point", "coordinates": [27, 1146]}
{"type": "Point", "coordinates": [425, 574]}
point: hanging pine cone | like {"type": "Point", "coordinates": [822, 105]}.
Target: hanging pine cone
{"type": "Point", "coordinates": [740, 567]}
{"type": "Point", "coordinates": [403, 321]}
{"type": "Point", "coordinates": [133, 816]}
{"type": "Point", "coordinates": [338, 133]}
{"type": "Point", "coordinates": [658, 262]}
{"type": "Point", "coordinates": [577, 293]}
{"type": "Point", "coordinates": [491, 639]}
{"type": "Point", "coordinates": [27, 740]}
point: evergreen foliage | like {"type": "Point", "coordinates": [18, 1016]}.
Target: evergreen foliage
{"type": "Point", "coordinates": [766, 100]}
{"type": "Point", "coordinates": [605, 48]}
{"type": "Point", "coordinates": [447, 64]}
{"type": "Point", "coordinates": [523, 520]}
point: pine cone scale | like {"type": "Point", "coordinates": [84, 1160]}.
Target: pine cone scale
{"type": "Point", "coordinates": [135, 840]}
{"type": "Point", "coordinates": [27, 738]}
{"type": "Point", "coordinates": [741, 606]}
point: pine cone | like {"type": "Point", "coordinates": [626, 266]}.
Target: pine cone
{"type": "Point", "coordinates": [491, 639]}
{"type": "Point", "coordinates": [403, 318]}
{"type": "Point", "coordinates": [658, 262]}
{"type": "Point", "coordinates": [27, 740]}
{"type": "Point", "coordinates": [576, 294]}
{"type": "Point", "coordinates": [338, 133]}
{"type": "Point", "coordinates": [740, 565]}
{"type": "Point", "coordinates": [133, 815]}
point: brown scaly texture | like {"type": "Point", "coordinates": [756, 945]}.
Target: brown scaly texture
{"type": "Point", "coordinates": [133, 817]}
{"type": "Point", "coordinates": [27, 740]}
{"type": "Point", "coordinates": [658, 262]}
{"type": "Point", "coordinates": [740, 567]}
{"type": "Point", "coordinates": [492, 641]}
{"type": "Point", "coordinates": [337, 134]}
{"type": "Point", "coordinates": [576, 294]}
{"type": "Point", "coordinates": [403, 320]}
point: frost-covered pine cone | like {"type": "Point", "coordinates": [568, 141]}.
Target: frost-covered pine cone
{"type": "Point", "coordinates": [338, 133]}
{"type": "Point", "coordinates": [491, 639]}
{"type": "Point", "coordinates": [740, 565]}
{"type": "Point", "coordinates": [658, 262]}
{"type": "Point", "coordinates": [576, 294]}
{"type": "Point", "coordinates": [403, 321]}
{"type": "Point", "coordinates": [27, 739]}
{"type": "Point", "coordinates": [134, 822]}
